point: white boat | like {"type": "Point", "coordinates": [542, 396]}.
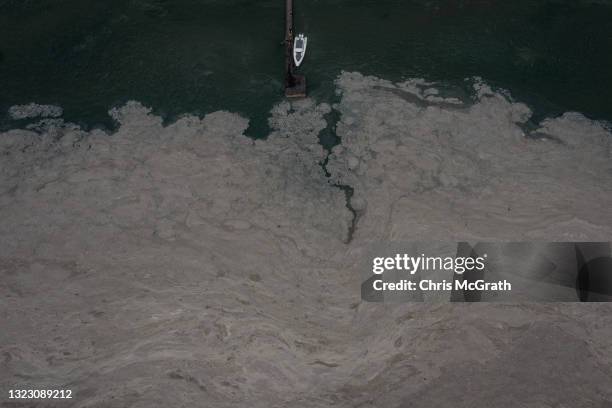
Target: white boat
{"type": "Point", "coordinates": [299, 49]}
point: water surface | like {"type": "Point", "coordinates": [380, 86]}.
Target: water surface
{"type": "Point", "coordinates": [198, 56]}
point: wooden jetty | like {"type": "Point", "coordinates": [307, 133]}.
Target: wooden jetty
{"type": "Point", "coordinates": [295, 85]}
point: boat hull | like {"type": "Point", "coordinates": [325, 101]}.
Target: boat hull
{"type": "Point", "coordinates": [299, 49]}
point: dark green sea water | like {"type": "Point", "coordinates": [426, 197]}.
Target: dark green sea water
{"type": "Point", "coordinates": [198, 56]}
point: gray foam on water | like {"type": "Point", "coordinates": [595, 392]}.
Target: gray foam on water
{"type": "Point", "coordinates": [188, 264]}
{"type": "Point", "coordinates": [33, 110]}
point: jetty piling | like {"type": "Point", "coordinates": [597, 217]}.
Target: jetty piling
{"type": "Point", "coordinates": [295, 84]}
